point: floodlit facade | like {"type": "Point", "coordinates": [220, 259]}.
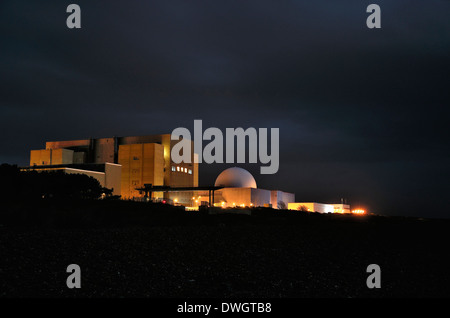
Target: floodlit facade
{"type": "Point", "coordinates": [240, 190]}
{"type": "Point", "coordinates": [311, 207]}
{"type": "Point", "coordinates": [144, 160]}
{"type": "Point", "coordinates": [319, 207]}
{"type": "Point", "coordinates": [341, 208]}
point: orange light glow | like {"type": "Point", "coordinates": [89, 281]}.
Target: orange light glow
{"type": "Point", "coordinates": [358, 211]}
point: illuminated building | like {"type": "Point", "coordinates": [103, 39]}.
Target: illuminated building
{"type": "Point", "coordinates": [311, 207]}
{"type": "Point", "coordinates": [240, 190]}
{"type": "Point", "coordinates": [144, 160]}
{"type": "Point", "coordinates": [341, 208]}
{"type": "Point", "coordinates": [320, 207]}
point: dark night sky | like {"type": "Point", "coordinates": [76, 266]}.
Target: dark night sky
{"type": "Point", "coordinates": [363, 114]}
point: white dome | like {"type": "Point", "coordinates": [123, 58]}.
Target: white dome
{"type": "Point", "coordinates": [235, 178]}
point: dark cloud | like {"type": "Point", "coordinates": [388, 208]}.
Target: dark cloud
{"type": "Point", "coordinates": [363, 113]}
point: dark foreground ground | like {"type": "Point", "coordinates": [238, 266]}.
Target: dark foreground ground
{"type": "Point", "coordinates": [135, 251]}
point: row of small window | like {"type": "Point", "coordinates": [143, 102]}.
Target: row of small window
{"type": "Point", "coordinates": [181, 169]}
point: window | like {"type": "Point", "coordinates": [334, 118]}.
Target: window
{"type": "Point", "coordinates": [190, 171]}
{"type": "Point", "coordinates": [173, 168]}
{"type": "Point", "coordinates": [135, 158]}
{"type": "Point", "coordinates": [178, 168]}
{"type": "Point", "coordinates": [185, 170]}
{"type": "Point", "coordinates": [135, 182]}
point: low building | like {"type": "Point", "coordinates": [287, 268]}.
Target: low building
{"type": "Point", "coordinates": [311, 207]}
{"type": "Point", "coordinates": [239, 190]}
{"type": "Point", "coordinates": [341, 208]}
{"type": "Point", "coordinates": [319, 207]}
{"type": "Point", "coordinates": [107, 174]}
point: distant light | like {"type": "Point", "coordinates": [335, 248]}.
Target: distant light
{"type": "Point", "coordinates": [164, 201]}
{"type": "Point", "coordinates": [175, 200]}
{"type": "Point", "coordinates": [358, 211]}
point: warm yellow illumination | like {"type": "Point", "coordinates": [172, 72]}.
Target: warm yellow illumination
{"type": "Point", "coordinates": [242, 205]}
{"type": "Point", "coordinates": [175, 200]}
{"type": "Point", "coordinates": [358, 211]}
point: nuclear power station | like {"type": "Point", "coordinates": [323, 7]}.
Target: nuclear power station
{"type": "Point", "coordinates": [141, 168]}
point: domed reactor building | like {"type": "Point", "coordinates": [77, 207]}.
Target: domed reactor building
{"type": "Point", "coordinates": [237, 188]}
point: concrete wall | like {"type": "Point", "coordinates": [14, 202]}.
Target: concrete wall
{"type": "Point", "coordinates": [280, 199]}
{"type": "Point", "coordinates": [260, 197]}
{"type": "Point", "coordinates": [100, 176]}
{"type": "Point", "coordinates": [104, 150]}
{"type": "Point", "coordinates": [67, 144]}
{"type": "Point", "coordinates": [61, 156]}
{"type": "Point", "coordinates": [311, 207]}
{"type": "Point", "coordinates": [40, 157]}
{"type": "Point", "coordinates": [243, 196]}
{"type": "Point", "coordinates": [113, 177]}
{"type": "Point", "coordinates": [341, 208]}
{"type": "Point", "coordinates": [141, 164]}
{"type": "Point", "coordinates": [44, 157]}
{"type": "Point", "coordinates": [236, 196]}
{"type": "Point", "coordinates": [79, 157]}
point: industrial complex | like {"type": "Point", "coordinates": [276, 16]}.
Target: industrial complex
{"type": "Point", "coordinates": [140, 168]}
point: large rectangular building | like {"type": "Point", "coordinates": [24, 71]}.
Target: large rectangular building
{"type": "Point", "coordinates": [144, 160]}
